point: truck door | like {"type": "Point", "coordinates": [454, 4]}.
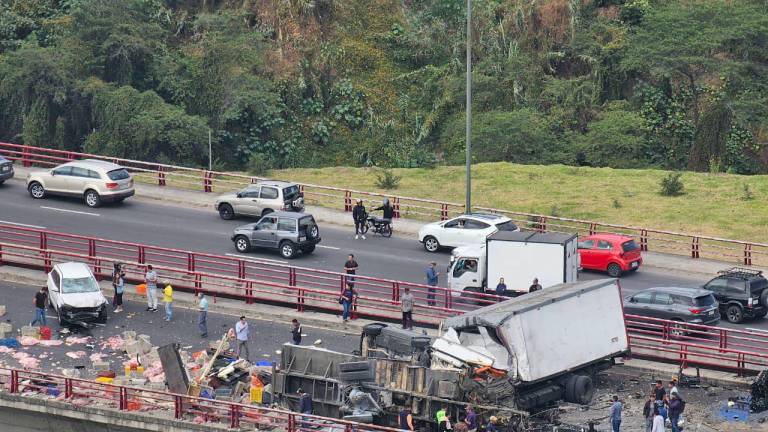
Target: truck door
{"type": "Point", "coordinates": [465, 274]}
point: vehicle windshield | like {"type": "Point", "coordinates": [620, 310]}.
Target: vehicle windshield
{"type": "Point", "coordinates": [118, 174]}
{"type": "Point", "coordinates": [705, 301]}
{"type": "Point", "coordinates": [79, 285]}
{"type": "Point", "coordinates": [506, 226]}
{"type": "Point", "coordinates": [629, 246]}
{"type": "Point", "coordinates": [291, 192]}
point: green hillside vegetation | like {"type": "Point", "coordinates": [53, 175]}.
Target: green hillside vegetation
{"type": "Point", "coordinates": [721, 205]}
{"type": "Point", "coordinates": [675, 84]}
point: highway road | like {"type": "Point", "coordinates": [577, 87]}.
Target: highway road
{"type": "Point", "coordinates": [198, 229]}
{"type": "Point", "coordinates": [267, 336]}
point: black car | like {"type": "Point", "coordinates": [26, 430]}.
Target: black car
{"type": "Point", "coordinates": [742, 293]}
{"type": "Point", "coordinates": [689, 305]}
{"type": "Point", "coordinates": [6, 169]}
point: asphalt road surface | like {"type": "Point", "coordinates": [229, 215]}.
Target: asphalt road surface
{"type": "Point", "coordinates": [200, 229]}
{"type": "Point", "coordinates": [267, 336]}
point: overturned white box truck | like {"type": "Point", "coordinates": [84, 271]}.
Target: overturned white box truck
{"type": "Point", "coordinates": [519, 258]}
{"type": "Point", "coordinates": [508, 359]}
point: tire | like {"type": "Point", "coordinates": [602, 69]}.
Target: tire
{"type": "Point", "coordinates": [308, 249]}
{"type": "Point", "coordinates": [373, 329]}
{"type": "Point", "coordinates": [734, 314]}
{"type": "Point", "coordinates": [569, 389]}
{"type": "Point", "coordinates": [386, 231]}
{"type": "Point", "coordinates": [614, 270]}
{"type": "Point", "coordinates": [242, 244]}
{"type": "Point", "coordinates": [364, 229]}
{"type": "Point", "coordinates": [36, 190]}
{"type": "Point", "coordinates": [431, 244]}
{"type": "Point", "coordinates": [266, 212]}
{"type": "Point", "coordinates": [583, 390]}
{"type": "Point", "coordinates": [287, 249]}
{"type": "Point", "coordinates": [62, 321]}
{"type": "Point", "coordinates": [103, 316]}
{"type": "Point", "coordinates": [764, 298]}
{"type": "Point", "coordinates": [92, 198]}
{"type": "Point", "coordinates": [226, 212]}
{"type": "Point", "coordinates": [677, 330]}
{"type": "Point", "coordinates": [313, 234]}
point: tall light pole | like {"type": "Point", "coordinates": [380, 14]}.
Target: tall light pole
{"type": "Point", "coordinates": [468, 204]}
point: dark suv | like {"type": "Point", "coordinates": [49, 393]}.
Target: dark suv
{"type": "Point", "coordinates": [742, 293]}
{"type": "Point", "coordinates": [288, 232]}
{"type": "Point", "coordinates": [690, 305]}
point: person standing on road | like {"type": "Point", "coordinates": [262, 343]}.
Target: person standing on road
{"type": "Point", "coordinates": [295, 332]}
{"type": "Point", "coordinates": [350, 268]}
{"type": "Point", "coordinates": [359, 215]}
{"type": "Point", "coordinates": [118, 283]}
{"type": "Point", "coordinates": [432, 279]}
{"type": "Point", "coordinates": [648, 412]}
{"type": "Point", "coordinates": [40, 300]}
{"type": "Point", "coordinates": [676, 407]}
{"type": "Point", "coordinates": [346, 302]}
{"type": "Point", "coordinates": [441, 416]}
{"type": "Point", "coordinates": [242, 329]}
{"type": "Point", "coordinates": [616, 414]}
{"type": "Point", "coordinates": [406, 304]}
{"type": "Point", "coordinates": [501, 288]}
{"type": "Point", "coordinates": [672, 387]}
{"type": "Point", "coordinates": [658, 420]}
{"type": "Point", "coordinates": [535, 286]}
{"type": "Point", "coordinates": [660, 396]}
{"type": "Point", "coordinates": [471, 418]}
{"type": "Point", "coordinates": [168, 300]}
{"type": "Point", "coordinates": [151, 280]}
{"type": "Point", "coordinates": [202, 315]}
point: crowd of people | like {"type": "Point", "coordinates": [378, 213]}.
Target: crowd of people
{"type": "Point", "coordinates": [662, 404]}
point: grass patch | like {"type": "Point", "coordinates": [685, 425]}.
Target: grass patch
{"type": "Point", "coordinates": [713, 204]}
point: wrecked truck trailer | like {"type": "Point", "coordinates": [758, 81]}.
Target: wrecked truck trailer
{"type": "Point", "coordinates": [507, 360]}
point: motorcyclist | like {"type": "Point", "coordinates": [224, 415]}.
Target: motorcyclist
{"type": "Point", "coordinates": [387, 209]}
{"type": "Point", "coordinates": [359, 215]}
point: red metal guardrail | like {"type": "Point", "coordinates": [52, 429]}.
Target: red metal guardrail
{"type": "Point", "coordinates": [178, 407]}
{"type": "Point", "coordinates": [692, 245]}
{"type": "Point", "coordinates": [252, 280]}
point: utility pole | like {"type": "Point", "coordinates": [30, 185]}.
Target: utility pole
{"type": "Point", "coordinates": [210, 152]}
{"type": "Point", "coordinates": [468, 204]}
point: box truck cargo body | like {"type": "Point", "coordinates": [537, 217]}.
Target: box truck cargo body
{"type": "Point", "coordinates": [518, 257]}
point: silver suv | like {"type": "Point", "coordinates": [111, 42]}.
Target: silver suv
{"type": "Point", "coordinates": [260, 199]}
{"type": "Point", "coordinates": [94, 180]}
{"type": "Point", "coordinates": [288, 232]}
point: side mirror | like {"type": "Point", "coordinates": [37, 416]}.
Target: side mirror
{"type": "Point", "coordinates": [53, 173]}
{"type": "Point", "coordinates": [239, 194]}
{"type": "Point", "coordinates": [632, 300]}
{"type": "Point", "coordinates": [255, 227]}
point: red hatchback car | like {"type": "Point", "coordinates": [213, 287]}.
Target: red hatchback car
{"type": "Point", "coordinates": [610, 253]}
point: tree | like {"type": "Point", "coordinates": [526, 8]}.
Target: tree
{"type": "Point", "coordinates": [616, 139]}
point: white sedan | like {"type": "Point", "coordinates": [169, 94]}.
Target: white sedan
{"type": "Point", "coordinates": [464, 230]}
{"type": "Point", "coordinates": [75, 294]}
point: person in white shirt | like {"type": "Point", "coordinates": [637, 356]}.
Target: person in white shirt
{"type": "Point", "coordinates": [241, 329]}
{"type": "Point", "coordinates": [658, 421]}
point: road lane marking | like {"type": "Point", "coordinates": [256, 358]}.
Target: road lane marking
{"type": "Point", "coordinates": [70, 211]}
{"type": "Point", "coordinates": [328, 247]}
{"type": "Point", "coordinates": [22, 225]}
{"type": "Point", "coordinates": [244, 258]}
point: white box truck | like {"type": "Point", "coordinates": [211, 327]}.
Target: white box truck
{"type": "Point", "coordinates": [518, 257]}
{"type": "Point", "coordinates": [550, 343]}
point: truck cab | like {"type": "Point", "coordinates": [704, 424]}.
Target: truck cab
{"type": "Point", "coordinates": [466, 271]}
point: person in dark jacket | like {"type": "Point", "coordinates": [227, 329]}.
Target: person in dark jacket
{"type": "Point", "coordinates": [295, 332]}
{"type": "Point", "coordinates": [405, 419]}
{"type": "Point", "coordinates": [674, 411]}
{"type": "Point", "coordinates": [359, 215]}
{"type": "Point", "coordinates": [387, 209]}
{"type": "Point", "coordinates": [648, 412]}
{"type": "Point", "coordinates": [305, 402]}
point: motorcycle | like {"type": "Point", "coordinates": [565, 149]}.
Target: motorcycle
{"type": "Point", "coordinates": [378, 225]}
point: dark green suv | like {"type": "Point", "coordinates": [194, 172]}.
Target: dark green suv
{"type": "Point", "coordinates": [742, 293]}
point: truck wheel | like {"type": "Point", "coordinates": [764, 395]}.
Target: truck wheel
{"type": "Point", "coordinates": [570, 385]}
{"type": "Point", "coordinates": [226, 212]}
{"type": "Point", "coordinates": [614, 270]}
{"type": "Point", "coordinates": [734, 314]}
{"type": "Point", "coordinates": [373, 329]}
{"type": "Point", "coordinates": [431, 244]}
{"type": "Point", "coordinates": [584, 390]}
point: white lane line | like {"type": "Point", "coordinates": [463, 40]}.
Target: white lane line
{"type": "Point", "coordinates": [756, 329]}
{"type": "Point", "coordinates": [244, 258]}
{"type": "Point", "coordinates": [22, 225]}
{"type": "Point", "coordinates": [328, 247]}
{"type": "Point", "coordinates": [70, 211]}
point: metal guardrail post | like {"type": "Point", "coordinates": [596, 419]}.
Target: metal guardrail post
{"type": "Point", "coordinates": [142, 255]}
{"type": "Point", "coordinates": [542, 228]}
{"type": "Point", "coordinates": [178, 407]}
{"type": "Point", "coordinates": [396, 207]}
{"type": "Point", "coordinates": [207, 181]}
{"type": "Point", "coordinates": [123, 398]}
{"type": "Point", "coordinates": [395, 291]}
{"type": "Point", "coordinates": [723, 340]}
{"type": "Point", "coordinates": [14, 381]}
{"type": "Point", "coordinates": [644, 240]}
{"type": "Point", "coordinates": [291, 427]}
{"type": "Point", "coordinates": [160, 175]}
{"type": "Point", "coordinates": [1, 255]}
{"type": "Point", "coordinates": [249, 293]}
{"type": "Point", "coordinates": [198, 283]}
{"type": "Point", "coordinates": [748, 254]}
{"type": "Point", "coordinates": [347, 201]}
{"type": "Point", "coordinates": [191, 261]}
{"type": "Point", "coordinates": [694, 247]}
{"type": "Point", "coordinates": [443, 211]}
{"type": "Point", "coordinates": [592, 228]}
{"type": "Point", "coordinates": [234, 416]}
{"type": "Point", "coordinates": [68, 391]}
